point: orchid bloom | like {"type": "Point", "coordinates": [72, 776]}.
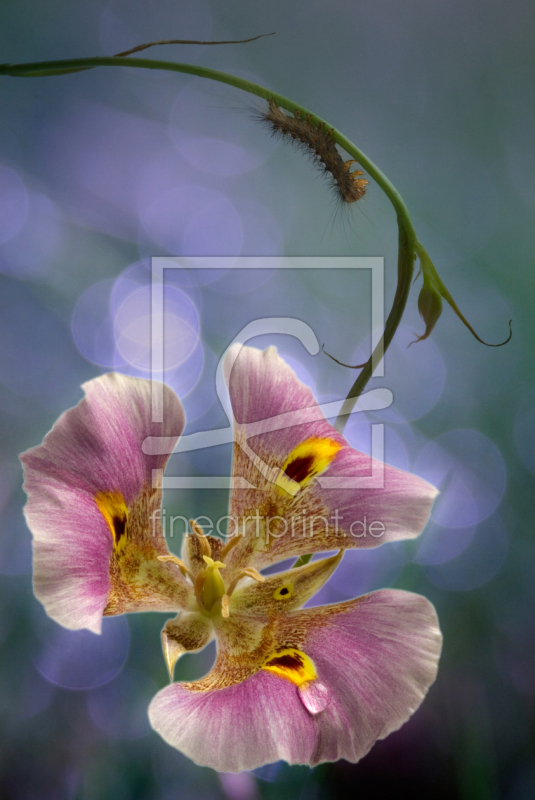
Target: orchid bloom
{"type": "Point", "coordinates": [305, 685]}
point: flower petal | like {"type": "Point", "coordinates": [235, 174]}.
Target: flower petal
{"type": "Point", "coordinates": [241, 727]}
{"type": "Point", "coordinates": [283, 591]}
{"type": "Point", "coordinates": [290, 512]}
{"type": "Point", "coordinates": [375, 658]}
{"type": "Point", "coordinates": [188, 632]}
{"type": "Point", "coordinates": [90, 502]}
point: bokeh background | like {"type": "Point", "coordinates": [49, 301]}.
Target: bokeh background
{"type": "Point", "coordinates": [102, 169]}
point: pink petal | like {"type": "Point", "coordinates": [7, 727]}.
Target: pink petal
{"type": "Point", "coordinates": [241, 727]}
{"type": "Point", "coordinates": [97, 444]}
{"type": "Point", "coordinates": [398, 510]}
{"type": "Point", "coordinates": [319, 518]}
{"type": "Point", "coordinates": [375, 658]}
{"type": "Point", "coordinates": [94, 447]}
{"type": "Point", "coordinates": [262, 386]}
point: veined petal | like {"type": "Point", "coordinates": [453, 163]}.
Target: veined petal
{"type": "Point", "coordinates": [285, 591]}
{"type": "Point", "coordinates": [94, 511]}
{"type": "Point", "coordinates": [241, 727]}
{"type": "Point", "coordinates": [289, 512]}
{"type": "Point", "coordinates": [348, 675]}
{"type": "Point", "coordinates": [376, 657]}
{"type": "Point", "coordinates": [188, 632]}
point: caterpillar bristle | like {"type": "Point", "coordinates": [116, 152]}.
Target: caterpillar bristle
{"type": "Point", "coordinates": [318, 143]}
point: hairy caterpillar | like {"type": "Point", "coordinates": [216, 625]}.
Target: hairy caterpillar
{"type": "Point", "coordinates": [317, 141]}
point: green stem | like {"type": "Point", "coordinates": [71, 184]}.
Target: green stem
{"type": "Point", "coordinates": [407, 235]}
{"type": "Point", "coordinates": [406, 255]}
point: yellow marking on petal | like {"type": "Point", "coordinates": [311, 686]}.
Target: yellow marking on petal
{"type": "Point", "coordinates": [308, 459]}
{"type": "Point", "coordinates": [291, 664]}
{"type": "Point", "coordinates": [283, 592]}
{"type": "Point", "coordinates": [113, 508]}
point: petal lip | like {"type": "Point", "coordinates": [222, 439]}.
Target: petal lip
{"type": "Point", "coordinates": [387, 646]}
{"type": "Point", "coordinates": [375, 657]}
{"type": "Point", "coordinates": [94, 447]}
{"type": "Point", "coordinates": [189, 632]}
{"type": "Point", "coordinates": [238, 728]}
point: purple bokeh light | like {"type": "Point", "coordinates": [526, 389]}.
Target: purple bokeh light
{"type": "Point", "coordinates": [469, 471]}
{"type": "Point", "coordinates": [119, 708]}
{"type": "Point", "coordinates": [363, 570]}
{"type": "Point", "coordinates": [140, 274]}
{"type": "Point", "coordinates": [13, 202]}
{"type": "Point", "coordinates": [197, 402]}
{"type": "Point", "coordinates": [81, 659]}
{"type": "Point", "coordinates": [135, 336]}
{"type": "Point", "coordinates": [92, 326]}
{"type": "Point", "coordinates": [439, 544]}
{"type": "Point", "coordinates": [239, 785]}
{"type": "Point", "coordinates": [358, 434]}
{"type": "Point", "coordinates": [406, 368]}
{"type": "Point", "coordinates": [192, 220]}
{"type": "Point", "coordinates": [186, 376]}
{"type": "Point", "coordinates": [236, 148]}
{"type": "Point", "coordinates": [479, 563]}
{"type": "Point", "coordinates": [29, 253]}
{"type": "Point", "coordinates": [103, 155]}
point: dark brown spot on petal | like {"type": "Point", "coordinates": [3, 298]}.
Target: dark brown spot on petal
{"type": "Point", "coordinates": [113, 508]}
{"type": "Point", "coordinates": [300, 468]}
{"type": "Point", "coordinates": [119, 528]}
{"type": "Point", "coordinates": [286, 661]}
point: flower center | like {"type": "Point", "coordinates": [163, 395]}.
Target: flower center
{"type": "Point", "coordinates": [213, 587]}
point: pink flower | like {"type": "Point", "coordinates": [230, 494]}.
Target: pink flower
{"type": "Point", "coordinates": [303, 685]}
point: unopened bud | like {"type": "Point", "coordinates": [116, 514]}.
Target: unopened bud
{"type": "Point", "coordinates": [430, 308]}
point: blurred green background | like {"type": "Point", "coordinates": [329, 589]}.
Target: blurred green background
{"type": "Point", "coordinates": [102, 169]}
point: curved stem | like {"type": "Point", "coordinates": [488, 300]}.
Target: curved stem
{"type": "Point", "coordinates": [64, 67]}
{"type": "Point", "coordinates": [406, 255]}
{"type": "Point", "coordinates": [407, 235]}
